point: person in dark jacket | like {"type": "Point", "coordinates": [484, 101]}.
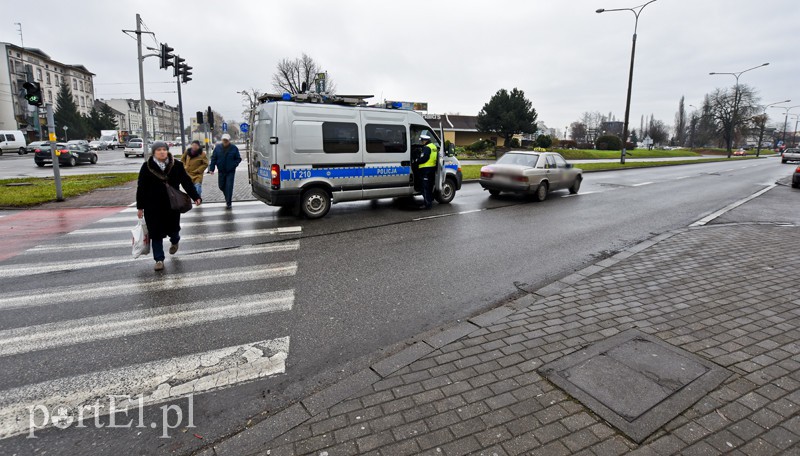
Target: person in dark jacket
{"type": "Point", "coordinates": [152, 199]}
{"type": "Point", "coordinates": [226, 157]}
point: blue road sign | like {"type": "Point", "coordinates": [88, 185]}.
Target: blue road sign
{"type": "Point", "coordinates": [243, 127]}
{"type": "Point", "coordinates": [224, 126]}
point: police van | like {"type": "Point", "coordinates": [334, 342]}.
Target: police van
{"type": "Point", "coordinates": [311, 151]}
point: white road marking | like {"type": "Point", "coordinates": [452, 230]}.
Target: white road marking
{"type": "Point", "coordinates": [640, 184]}
{"type": "Point", "coordinates": [682, 177]}
{"type": "Point", "coordinates": [122, 324]}
{"type": "Point", "coordinates": [433, 217]}
{"type": "Point", "coordinates": [579, 194]}
{"type": "Point", "coordinates": [129, 286]}
{"type": "Point", "coordinates": [125, 216]}
{"type": "Point", "coordinates": [188, 237]}
{"type": "Point", "coordinates": [126, 229]}
{"type": "Point", "coordinates": [471, 211]}
{"type": "Point", "coordinates": [703, 221]}
{"type": "Point", "coordinates": [146, 383]}
{"type": "Point", "coordinates": [20, 270]}
{"type": "Point", "coordinates": [132, 207]}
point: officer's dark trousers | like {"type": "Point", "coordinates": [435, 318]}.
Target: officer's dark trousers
{"type": "Point", "coordinates": [226, 185]}
{"type": "Point", "coordinates": [428, 175]}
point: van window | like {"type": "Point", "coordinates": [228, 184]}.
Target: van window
{"type": "Point", "coordinates": [339, 137]}
{"type": "Point", "coordinates": [386, 138]}
{"type": "Point", "coordinates": [10, 138]}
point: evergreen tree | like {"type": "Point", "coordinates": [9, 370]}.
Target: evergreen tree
{"type": "Point", "coordinates": [507, 114]}
{"type": "Point", "coordinates": [108, 121]}
{"type": "Point", "coordinates": [94, 123]}
{"type": "Point", "coordinates": [67, 115]}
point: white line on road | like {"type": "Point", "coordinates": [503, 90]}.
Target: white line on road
{"type": "Point", "coordinates": [122, 324]}
{"type": "Point", "coordinates": [127, 229]}
{"type": "Point", "coordinates": [640, 184]}
{"type": "Point", "coordinates": [236, 204]}
{"type": "Point", "coordinates": [188, 237]}
{"type": "Point", "coordinates": [472, 211]}
{"type": "Point", "coordinates": [579, 194]}
{"type": "Point", "coordinates": [703, 221]}
{"type": "Point", "coordinates": [130, 216]}
{"type": "Point", "coordinates": [682, 177]}
{"type": "Point", "coordinates": [146, 383]}
{"type": "Point", "coordinates": [20, 270]}
{"type": "Point", "coordinates": [117, 288]}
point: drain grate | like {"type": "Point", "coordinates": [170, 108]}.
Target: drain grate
{"type": "Point", "coordinates": [635, 381]}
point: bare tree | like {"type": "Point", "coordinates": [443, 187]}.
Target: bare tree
{"type": "Point", "coordinates": [658, 131]}
{"type": "Point", "coordinates": [292, 75]}
{"type": "Point", "coordinates": [760, 124]}
{"type": "Point", "coordinates": [724, 103]}
{"type": "Point", "coordinates": [250, 101]}
{"type": "Point", "coordinates": [680, 124]}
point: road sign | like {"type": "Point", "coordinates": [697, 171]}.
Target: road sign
{"type": "Point", "coordinates": [224, 126]}
{"type": "Point", "coordinates": [243, 127]}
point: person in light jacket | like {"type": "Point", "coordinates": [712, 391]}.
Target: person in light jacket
{"type": "Point", "coordinates": [195, 161]}
{"type": "Point", "coordinates": [226, 157]}
{"type": "Point", "coordinates": [152, 199]}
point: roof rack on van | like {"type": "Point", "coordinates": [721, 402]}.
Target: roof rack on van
{"type": "Point", "coordinates": [347, 100]}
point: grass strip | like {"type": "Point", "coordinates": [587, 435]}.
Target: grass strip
{"type": "Point", "coordinates": [31, 191]}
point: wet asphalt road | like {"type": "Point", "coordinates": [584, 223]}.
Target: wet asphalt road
{"type": "Point", "coordinates": [336, 292]}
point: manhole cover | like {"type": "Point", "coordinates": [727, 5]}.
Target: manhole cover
{"type": "Point", "coordinates": [635, 381]}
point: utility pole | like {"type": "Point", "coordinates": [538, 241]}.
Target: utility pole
{"type": "Point", "coordinates": [51, 128]}
{"type": "Point", "coordinates": [142, 104]}
{"type": "Point", "coordinates": [19, 30]}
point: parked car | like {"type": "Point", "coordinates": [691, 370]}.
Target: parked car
{"type": "Point", "coordinates": [37, 145]}
{"type": "Point", "coordinates": [68, 155]}
{"type": "Point", "coordinates": [530, 173]}
{"type": "Point", "coordinates": [790, 155]}
{"type": "Point", "coordinates": [134, 147]}
{"type": "Point", "coordinates": [796, 178]}
{"type": "Point", "coordinates": [98, 145]}
{"type": "Point", "coordinates": [12, 141]}
{"type": "Point", "coordinates": [740, 153]}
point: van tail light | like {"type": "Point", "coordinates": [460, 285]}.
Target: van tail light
{"type": "Point", "coordinates": [275, 176]}
{"type": "Point", "coordinates": [520, 179]}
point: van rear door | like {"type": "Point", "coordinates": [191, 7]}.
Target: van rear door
{"type": "Point", "coordinates": [387, 154]}
{"type": "Point", "coordinates": [263, 152]}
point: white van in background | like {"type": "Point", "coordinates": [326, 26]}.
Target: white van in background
{"type": "Point", "coordinates": [12, 141]}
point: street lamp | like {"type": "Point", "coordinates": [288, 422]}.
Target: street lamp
{"type": "Point", "coordinates": [66, 138]}
{"type": "Point", "coordinates": [786, 119]}
{"type": "Point", "coordinates": [636, 10]}
{"type": "Point", "coordinates": [763, 123]}
{"type": "Point", "coordinates": [735, 101]}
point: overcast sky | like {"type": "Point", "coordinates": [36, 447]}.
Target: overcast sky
{"type": "Point", "coordinates": [453, 54]}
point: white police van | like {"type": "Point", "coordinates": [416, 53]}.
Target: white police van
{"type": "Point", "coordinates": [310, 151]}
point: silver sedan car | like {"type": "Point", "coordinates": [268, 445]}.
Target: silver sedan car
{"type": "Point", "coordinates": [531, 173]}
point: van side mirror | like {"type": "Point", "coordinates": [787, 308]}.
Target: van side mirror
{"type": "Point", "coordinates": [451, 150]}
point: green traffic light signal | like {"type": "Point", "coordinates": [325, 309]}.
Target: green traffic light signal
{"type": "Point", "coordinates": [33, 93]}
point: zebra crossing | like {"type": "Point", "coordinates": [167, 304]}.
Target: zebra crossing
{"type": "Point", "coordinates": [82, 321]}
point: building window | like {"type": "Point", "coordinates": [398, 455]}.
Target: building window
{"type": "Point", "coordinates": [74, 84]}
{"type": "Point", "coordinates": [50, 96]}
{"type": "Point", "coordinates": [38, 74]}
{"type": "Point", "coordinates": [80, 84]}
{"type": "Point", "coordinates": [386, 138]}
{"type": "Point", "coordinates": [48, 78]}
{"type": "Point", "coordinates": [339, 137]}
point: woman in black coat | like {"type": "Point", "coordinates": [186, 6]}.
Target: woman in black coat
{"type": "Point", "coordinates": [152, 200]}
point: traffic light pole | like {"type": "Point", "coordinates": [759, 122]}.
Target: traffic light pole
{"type": "Point", "coordinates": [142, 103]}
{"type": "Point", "coordinates": [51, 129]}
{"type": "Point", "coordinates": [180, 109]}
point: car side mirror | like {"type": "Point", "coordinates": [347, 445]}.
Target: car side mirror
{"type": "Point", "coordinates": [569, 165]}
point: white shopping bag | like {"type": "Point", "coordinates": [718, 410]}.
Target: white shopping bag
{"type": "Point", "coordinates": [141, 241]}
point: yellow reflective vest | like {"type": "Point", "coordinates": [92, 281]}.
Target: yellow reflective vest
{"type": "Point", "coordinates": [431, 163]}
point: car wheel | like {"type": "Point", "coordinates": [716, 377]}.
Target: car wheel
{"type": "Point", "coordinates": [541, 192]}
{"type": "Point", "coordinates": [72, 161]}
{"type": "Point", "coordinates": [40, 164]}
{"type": "Point", "coordinates": [448, 192]}
{"type": "Point", "coordinates": [494, 192]}
{"type": "Point", "coordinates": [21, 151]}
{"type": "Point", "coordinates": [315, 203]}
{"type": "Point", "coordinates": [783, 161]}
{"type": "Point", "coordinates": [576, 186]}
{"type": "Point", "coordinates": [795, 185]}
{"type": "Point", "coordinates": [93, 160]}
{"type": "Point", "coordinates": [127, 156]}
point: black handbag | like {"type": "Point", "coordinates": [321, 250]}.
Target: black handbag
{"type": "Point", "coordinates": [178, 201]}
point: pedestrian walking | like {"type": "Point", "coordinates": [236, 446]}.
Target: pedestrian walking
{"type": "Point", "coordinates": [426, 169]}
{"type": "Point", "coordinates": [195, 161]}
{"type": "Point", "coordinates": [153, 202]}
{"type": "Point", "coordinates": [226, 158]}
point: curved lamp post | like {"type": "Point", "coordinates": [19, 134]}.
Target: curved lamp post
{"type": "Point", "coordinates": [636, 10]}
{"type": "Point", "coordinates": [786, 119]}
{"type": "Point", "coordinates": [735, 100]}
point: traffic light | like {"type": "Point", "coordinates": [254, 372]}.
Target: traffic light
{"type": "Point", "coordinates": [166, 56]}
{"type": "Point", "coordinates": [186, 72]}
{"type": "Point", "coordinates": [199, 117]}
{"type": "Point", "coordinates": [210, 118]}
{"type": "Point", "coordinates": [177, 63]}
{"type": "Point", "coordinates": [33, 93]}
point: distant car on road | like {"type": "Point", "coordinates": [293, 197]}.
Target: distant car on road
{"type": "Point", "coordinates": [134, 147]}
{"type": "Point", "coordinates": [796, 178]}
{"type": "Point", "coordinates": [740, 153]}
{"type": "Point", "coordinates": [530, 173]}
{"type": "Point", "coordinates": [82, 142]}
{"type": "Point", "coordinates": [790, 155]}
{"type": "Point", "coordinates": [32, 147]}
{"type": "Point", "coordinates": [68, 155]}
{"type": "Point", "coordinates": [98, 145]}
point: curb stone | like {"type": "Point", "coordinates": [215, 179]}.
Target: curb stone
{"type": "Point", "coordinates": [250, 439]}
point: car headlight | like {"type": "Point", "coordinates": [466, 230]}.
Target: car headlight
{"type": "Point", "coordinates": [74, 154]}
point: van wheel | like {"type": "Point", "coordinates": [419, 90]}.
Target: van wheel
{"type": "Point", "coordinates": [21, 151]}
{"type": "Point", "coordinates": [541, 192]}
{"type": "Point", "coordinates": [315, 203]}
{"type": "Point", "coordinates": [448, 192]}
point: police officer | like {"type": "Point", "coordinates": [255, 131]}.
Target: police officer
{"type": "Point", "coordinates": [426, 164]}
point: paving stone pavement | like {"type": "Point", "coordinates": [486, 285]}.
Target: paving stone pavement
{"type": "Point", "coordinates": [726, 293]}
{"type": "Point", "coordinates": [241, 187]}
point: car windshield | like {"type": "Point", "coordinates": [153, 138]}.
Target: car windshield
{"type": "Point", "coordinates": [74, 147]}
{"type": "Point", "coordinates": [528, 160]}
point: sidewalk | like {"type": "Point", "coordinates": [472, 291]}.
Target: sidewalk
{"type": "Point", "coordinates": [725, 293]}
